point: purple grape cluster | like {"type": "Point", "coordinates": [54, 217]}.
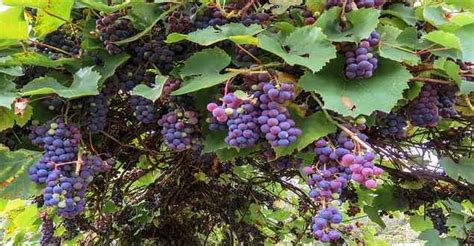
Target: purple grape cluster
{"type": "Point", "coordinates": [327, 184]}
{"type": "Point", "coordinates": [97, 108]}
{"type": "Point", "coordinates": [363, 169]}
{"type": "Point", "coordinates": [212, 16]}
{"type": "Point", "coordinates": [180, 130]}
{"type": "Point", "coordinates": [446, 100]}
{"type": "Point", "coordinates": [392, 124]}
{"type": "Point", "coordinates": [275, 121]}
{"type": "Point", "coordinates": [59, 39]}
{"type": "Point", "coordinates": [47, 231]}
{"type": "Point", "coordinates": [171, 85]}
{"type": "Point", "coordinates": [325, 223]}
{"type": "Point", "coordinates": [255, 18]}
{"type": "Point", "coordinates": [144, 109]}
{"type": "Point", "coordinates": [53, 104]}
{"type": "Point", "coordinates": [66, 189]}
{"type": "Point", "coordinates": [361, 61]}
{"type": "Point", "coordinates": [350, 4]}
{"type": "Point", "coordinates": [128, 76]}
{"type": "Point", "coordinates": [179, 22]}
{"type": "Point", "coordinates": [60, 142]}
{"type": "Point", "coordinates": [113, 28]}
{"type": "Point", "coordinates": [423, 110]}
{"type": "Point", "coordinates": [243, 127]}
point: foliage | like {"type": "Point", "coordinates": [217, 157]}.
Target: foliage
{"type": "Point", "coordinates": [235, 122]}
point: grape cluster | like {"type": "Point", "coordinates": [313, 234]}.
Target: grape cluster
{"type": "Point", "coordinates": [180, 130]}
{"type": "Point", "coordinates": [391, 125]}
{"type": "Point", "coordinates": [53, 104]}
{"type": "Point", "coordinates": [29, 74]}
{"type": "Point", "coordinates": [60, 40]}
{"type": "Point", "coordinates": [144, 109]}
{"type": "Point", "coordinates": [60, 142]}
{"type": "Point", "coordinates": [438, 218]}
{"type": "Point", "coordinates": [327, 184]}
{"type": "Point", "coordinates": [128, 76]}
{"type": "Point", "coordinates": [112, 28]}
{"type": "Point", "coordinates": [97, 108]}
{"type": "Point", "coordinates": [275, 121]}
{"type": "Point", "coordinates": [66, 188]}
{"type": "Point", "coordinates": [287, 162]}
{"type": "Point", "coordinates": [213, 16]}
{"type": "Point", "coordinates": [170, 85]}
{"type": "Point", "coordinates": [325, 224]}
{"type": "Point", "coordinates": [242, 126]}
{"type": "Point", "coordinates": [446, 100]}
{"type": "Point", "coordinates": [255, 18]}
{"type": "Point", "coordinates": [361, 61]}
{"type": "Point", "coordinates": [423, 110]}
{"type": "Point", "coordinates": [350, 4]}
{"type": "Point", "coordinates": [47, 231]}
{"type": "Point", "coordinates": [179, 22]}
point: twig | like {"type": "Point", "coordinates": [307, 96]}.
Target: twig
{"type": "Point", "coordinates": [52, 47]}
{"type": "Point", "coordinates": [430, 80]}
{"type": "Point", "coordinates": [248, 53]}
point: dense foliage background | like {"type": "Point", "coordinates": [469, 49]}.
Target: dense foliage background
{"type": "Point", "coordinates": [227, 122]}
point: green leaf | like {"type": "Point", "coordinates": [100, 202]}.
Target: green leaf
{"type": "Point", "coordinates": [408, 38]}
{"type": "Point", "coordinates": [361, 23]}
{"type": "Point", "coordinates": [313, 127]}
{"type": "Point", "coordinates": [13, 23]}
{"type": "Point", "coordinates": [373, 214]}
{"type": "Point", "coordinates": [466, 38]}
{"type": "Point", "coordinates": [147, 29]}
{"type": "Point", "coordinates": [14, 173]}
{"type": "Point", "coordinates": [307, 46]}
{"type": "Point", "coordinates": [8, 92]}
{"type": "Point", "coordinates": [33, 58]}
{"type": "Point", "coordinates": [21, 120]}
{"type": "Point", "coordinates": [450, 68]}
{"type": "Point", "coordinates": [434, 15]}
{"type": "Point", "coordinates": [203, 70]}
{"type": "Point", "coordinates": [143, 15]}
{"type": "Point", "coordinates": [463, 4]}
{"type": "Point", "coordinates": [89, 41]}
{"type": "Point", "coordinates": [388, 199]}
{"type": "Point", "coordinates": [84, 84]}
{"type": "Point", "coordinates": [466, 87]}
{"type": "Point", "coordinates": [27, 217]}
{"type": "Point", "coordinates": [433, 239]}
{"type": "Point", "coordinates": [151, 93]}
{"type": "Point", "coordinates": [391, 49]}
{"type": "Point", "coordinates": [463, 169]}
{"type": "Point", "coordinates": [420, 223]}
{"type": "Point", "coordinates": [444, 39]}
{"type": "Point", "coordinates": [231, 154]}
{"type": "Point", "coordinates": [405, 13]}
{"type": "Point", "coordinates": [456, 223]}
{"type": "Point", "coordinates": [112, 62]}
{"type": "Point", "coordinates": [101, 6]}
{"type": "Point", "coordinates": [211, 35]}
{"type": "Point", "coordinates": [214, 140]}
{"type": "Point", "coordinates": [52, 17]}
{"type": "Point", "coordinates": [279, 7]}
{"type": "Point", "coordinates": [27, 3]}
{"type": "Point", "coordinates": [13, 71]}
{"type": "Point", "coordinates": [355, 97]}
{"type": "Point", "coordinates": [7, 118]}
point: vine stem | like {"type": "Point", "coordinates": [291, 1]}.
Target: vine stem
{"type": "Point", "coordinates": [430, 80]}
{"type": "Point", "coordinates": [52, 47]}
{"type": "Point", "coordinates": [468, 102]}
{"type": "Point", "coordinates": [343, 128]}
{"type": "Point", "coordinates": [248, 53]}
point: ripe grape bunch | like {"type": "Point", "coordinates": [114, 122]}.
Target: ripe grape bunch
{"type": "Point", "coordinates": [180, 130]}
{"type": "Point", "coordinates": [62, 42]}
{"type": "Point", "coordinates": [393, 124]}
{"type": "Point", "coordinates": [325, 225]}
{"type": "Point", "coordinates": [361, 61]}
{"type": "Point", "coordinates": [350, 4]}
{"type": "Point", "coordinates": [144, 109]}
{"type": "Point", "coordinates": [97, 108]}
{"type": "Point", "coordinates": [112, 28]}
{"type": "Point", "coordinates": [423, 110]}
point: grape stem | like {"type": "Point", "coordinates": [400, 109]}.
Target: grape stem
{"type": "Point", "coordinates": [52, 47]}
{"type": "Point", "coordinates": [430, 80]}
{"type": "Point", "coordinates": [248, 53]}
{"type": "Point", "coordinates": [343, 128]}
{"type": "Point", "coordinates": [468, 102]}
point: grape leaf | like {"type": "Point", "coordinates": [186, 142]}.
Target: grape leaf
{"type": "Point", "coordinates": [313, 127]}
{"type": "Point", "coordinates": [450, 68]}
{"type": "Point", "coordinates": [373, 214]}
{"type": "Point", "coordinates": [211, 35]}
{"type": "Point", "coordinates": [214, 141]}
{"type": "Point", "coordinates": [90, 41]}
{"type": "Point", "coordinates": [111, 63]}
{"type": "Point", "coordinates": [434, 15]}
{"type": "Point", "coordinates": [151, 93]}
{"type": "Point", "coordinates": [467, 42]}
{"type": "Point", "coordinates": [408, 37]}
{"type": "Point", "coordinates": [407, 14]}
{"type": "Point", "coordinates": [101, 6]}
{"type": "Point", "coordinates": [462, 4]}
{"type": "Point", "coordinates": [232, 153]}
{"type": "Point", "coordinates": [7, 118]}
{"type": "Point", "coordinates": [279, 7]}
{"type": "Point", "coordinates": [456, 223]}
{"type": "Point", "coordinates": [391, 49]}
{"type": "Point", "coordinates": [387, 199]}
{"type": "Point", "coordinates": [381, 92]}
{"type": "Point", "coordinates": [433, 239]}
{"type": "Point", "coordinates": [463, 169]}
{"type": "Point", "coordinates": [143, 15]}
{"type": "Point", "coordinates": [14, 173]}
{"type": "Point", "coordinates": [466, 87]}
{"type": "Point", "coordinates": [13, 23]}
{"type": "Point", "coordinates": [307, 46]}
{"type": "Point", "coordinates": [444, 39]}
{"type": "Point", "coordinates": [51, 18]}
{"type": "Point", "coordinates": [420, 223]}
{"type": "Point", "coordinates": [22, 119]}
{"type": "Point", "coordinates": [361, 23]}
{"type": "Point", "coordinates": [203, 70]}
{"type": "Point", "coordinates": [27, 3]}
{"type": "Point", "coordinates": [13, 71]}
{"type": "Point", "coordinates": [84, 84]}
{"type": "Point", "coordinates": [33, 58]}
{"type": "Point", "coordinates": [8, 92]}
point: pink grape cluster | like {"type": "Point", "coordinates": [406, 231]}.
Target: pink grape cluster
{"type": "Point", "coordinates": [363, 169]}
{"type": "Point", "coordinates": [180, 130]}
